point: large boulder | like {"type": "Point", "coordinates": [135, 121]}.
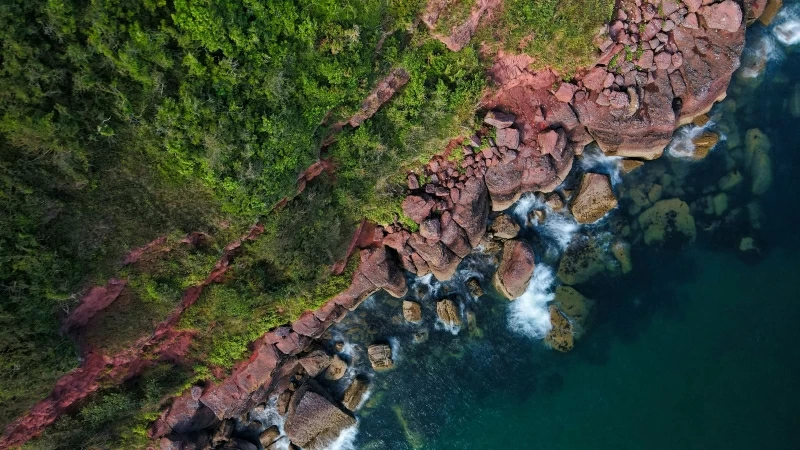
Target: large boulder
{"type": "Point", "coordinates": [314, 420]}
{"type": "Point", "coordinates": [594, 198]}
{"type": "Point", "coordinates": [560, 336]}
{"type": "Point", "coordinates": [355, 392]}
{"type": "Point", "coordinates": [380, 356]}
{"type": "Point", "coordinates": [668, 223]}
{"type": "Point", "coordinates": [573, 305]}
{"type": "Point", "coordinates": [516, 268]}
{"type": "Point", "coordinates": [336, 369]}
{"type": "Point", "coordinates": [438, 257]}
{"type": "Point", "coordinates": [504, 227]}
{"type": "Point", "coordinates": [471, 212]}
{"type": "Point", "coordinates": [315, 362]}
{"type": "Point", "coordinates": [725, 16]}
{"type": "Point", "coordinates": [381, 270]}
{"type": "Point", "coordinates": [448, 312]}
{"type": "Point", "coordinates": [583, 259]}
{"type": "Point", "coordinates": [412, 312]}
{"type": "Point", "coordinates": [504, 184]}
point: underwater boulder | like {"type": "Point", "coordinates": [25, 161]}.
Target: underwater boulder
{"type": "Point", "coordinates": [622, 252]}
{"type": "Point", "coordinates": [574, 305]}
{"type": "Point", "coordinates": [758, 160]}
{"type": "Point", "coordinates": [583, 259]}
{"type": "Point", "coordinates": [703, 143]}
{"type": "Point", "coordinates": [667, 223]}
{"type": "Point", "coordinates": [594, 198]}
{"type": "Point", "coordinates": [560, 336]}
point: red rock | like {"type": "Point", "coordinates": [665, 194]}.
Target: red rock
{"type": "Point", "coordinates": [726, 16]}
{"type": "Point", "coordinates": [499, 119]}
{"type": "Point", "coordinates": [431, 229]}
{"type": "Point", "coordinates": [413, 181]}
{"type": "Point", "coordinates": [455, 238]}
{"type": "Point", "coordinates": [308, 325]}
{"type": "Point", "coordinates": [645, 61]}
{"type": "Point", "coordinates": [693, 5]}
{"type": "Point", "coordinates": [503, 182]}
{"type": "Point", "coordinates": [508, 137]}
{"type": "Point", "coordinates": [669, 6]}
{"type": "Point", "coordinates": [382, 271]}
{"type": "Point", "coordinates": [594, 79]}
{"type": "Point", "coordinates": [565, 92]}
{"type": "Point", "coordinates": [315, 362]}
{"type": "Point", "coordinates": [663, 60]}
{"type": "Point", "coordinates": [97, 299]}
{"type": "Point", "coordinates": [471, 212]}
{"type": "Point", "coordinates": [515, 270]}
{"type": "Point", "coordinates": [690, 21]}
{"type": "Point", "coordinates": [417, 208]}
{"type": "Point", "coordinates": [384, 91]}
{"type": "Point", "coordinates": [440, 259]}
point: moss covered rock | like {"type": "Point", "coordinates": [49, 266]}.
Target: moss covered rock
{"type": "Point", "coordinates": [668, 223]}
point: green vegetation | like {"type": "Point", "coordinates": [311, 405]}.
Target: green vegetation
{"type": "Point", "coordinates": [559, 34]}
{"type": "Point", "coordinates": [124, 121]}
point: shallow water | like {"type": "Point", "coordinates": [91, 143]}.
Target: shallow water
{"type": "Point", "coordinates": [693, 349]}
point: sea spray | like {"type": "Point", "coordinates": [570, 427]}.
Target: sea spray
{"type": "Point", "coordinates": [682, 144]}
{"type": "Point", "coordinates": [528, 315]}
{"type": "Point", "coordinates": [787, 26]}
{"type": "Point", "coordinates": [346, 439]}
{"type": "Point", "coordinates": [594, 160]}
{"type": "Point", "coordinates": [555, 232]}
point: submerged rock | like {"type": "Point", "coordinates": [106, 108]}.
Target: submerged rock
{"type": "Point", "coordinates": [560, 336]}
{"type": "Point", "coordinates": [622, 252]}
{"type": "Point", "coordinates": [412, 311]}
{"type": "Point", "coordinates": [574, 305]}
{"type": "Point", "coordinates": [628, 165]}
{"type": "Point", "coordinates": [516, 268]}
{"type": "Point", "coordinates": [474, 287]}
{"type": "Point", "coordinates": [594, 198]}
{"type": "Point", "coordinates": [703, 144]}
{"type": "Point", "coordinates": [758, 161]}
{"type": "Point", "coordinates": [268, 436]}
{"type": "Point", "coordinates": [583, 259]}
{"type": "Point", "coordinates": [448, 313]}
{"type": "Point", "coordinates": [380, 356]}
{"type": "Point", "coordinates": [668, 223]}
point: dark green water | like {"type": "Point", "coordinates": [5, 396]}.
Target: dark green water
{"type": "Point", "coordinates": [693, 349]}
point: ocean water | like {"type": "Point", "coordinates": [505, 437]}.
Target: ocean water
{"type": "Point", "coordinates": [696, 348]}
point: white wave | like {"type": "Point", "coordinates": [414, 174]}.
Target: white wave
{"type": "Point", "coordinates": [557, 230]}
{"type": "Point", "coordinates": [394, 343]}
{"type": "Point", "coordinates": [523, 207]}
{"type": "Point", "coordinates": [787, 26]}
{"type": "Point", "coordinates": [431, 284]}
{"type": "Point", "coordinates": [528, 314]}
{"type": "Point", "coordinates": [364, 399]}
{"type": "Point", "coordinates": [594, 160]}
{"type": "Point", "coordinates": [760, 51]}
{"type": "Point", "coordinates": [346, 439]}
{"type": "Point", "coordinates": [681, 145]}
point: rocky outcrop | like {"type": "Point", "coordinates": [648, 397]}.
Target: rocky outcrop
{"type": "Point", "coordinates": [448, 312]}
{"type": "Point", "coordinates": [583, 259]}
{"type": "Point", "coordinates": [355, 393]}
{"type": "Point", "coordinates": [385, 90]}
{"type": "Point", "coordinates": [412, 311]}
{"type": "Point", "coordinates": [560, 335]}
{"type": "Point", "coordinates": [504, 227]}
{"type": "Point", "coordinates": [380, 356]}
{"type": "Point", "coordinates": [516, 268]}
{"type": "Point", "coordinates": [594, 198]}
{"type": "Point", "coordinates": [314, 421]}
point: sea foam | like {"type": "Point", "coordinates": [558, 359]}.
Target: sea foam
{"type": "Point", "coordinates": [787, 26]}
{"type": "Point", "coordinates": [346, 439]}
{"type": "Point", "coordinates": [528, 315]}
{"type": "Point", "coordinates": [594, 160]}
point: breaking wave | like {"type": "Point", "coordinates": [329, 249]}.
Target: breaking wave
{"type": "Point", "coordinates": [346, 440]}
{"type": "Point", "coordinates": [787, 26]}
{"type": "Point", "coordinates": [682, 145]}
{"type": "Point", "coordinates": [594, 160]}
{"type": "Point", "coordinates": [528, 315]}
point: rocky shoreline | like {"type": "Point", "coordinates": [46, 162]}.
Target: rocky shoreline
{"type": "Point", "coordinates": [662, 65]}
{"type": "Point", "coordinates": [629, 104]}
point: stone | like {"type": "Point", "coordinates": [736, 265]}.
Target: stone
{"type": "Point", "coordinates": [720, 203]}
{"type": "Point", "coordinates": [223, 433]}
{"type": "Point", "coordinates": [355, 392]}
{"type": "Point", "coordinates": [417, 208]}
{"type": "Point", "coordinates": [413, 181]}
{"type": "Point", "coordinates": [565, 92]}
{"type": "Point", "coordinates": [471, 212]}
{"type": "Point", "coordinates": [583, 259]}
{"type": "Point", "coordinates": [412, 311]}
{"type": "Point", "coordinates": [269, 436]}
{"type": "Point", "coordinates": [315, 362]}
{"type": "Point", "coordinates": [554, 201]}
{"type": "Point", "coordinates": [508, 137]}
{"type": "Point", "coordinates": [504, 184]}
{"type": "Point", "coordinates": [474, 287]}
{"type": "Point", "coordinates": [693, 5]}
{"type": "Point", "coordinates": [622, 252]}
{"type": "Point", "coordinates": [238, 444]}
{"type": "Point", "coordinates": [629, 165]}
{"type": "Point", "coordinates": [336, 369]}
{"type": "Point", "coordinates": [504, 227]}
{"type": "Point", "coordinates": [431, 229]}
{"type": "Point", "coordinates": [730, 180]}
{"type": "Point", "coordinates": [380, 356]}
{"type": "Point", "coordinates": [663, 60]}
{"type": "Point", "coordinates": [668, 223]}
{"type": "Point", "coordinates": [516, 268]}
{"type": "Point", "coordinates": [574, 305]}
{"type": "Point", "coordinates": [654, 194]}
{"type": "Point", "coordinates": [594, 198]}
{"type": "Point", "coordinates": [703, 144]}
{"type": "Point", "coordinates": [448, 312]}
{"type": "Point", "coordinates": [499, 119]}
{"type": "Point", "coordinates": [314, 420]}
{"type": "Point", "coordinates": [560, 335]}
{"type": "Point", "coordinates": [770, 11]}
{"type": "Point", "coordinates": [758, 161]}
{"type": "Point", "coordinates": [726, 16]}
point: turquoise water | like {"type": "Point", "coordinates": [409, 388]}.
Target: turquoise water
{"type": "Point", "coordinates": [693, 349]}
